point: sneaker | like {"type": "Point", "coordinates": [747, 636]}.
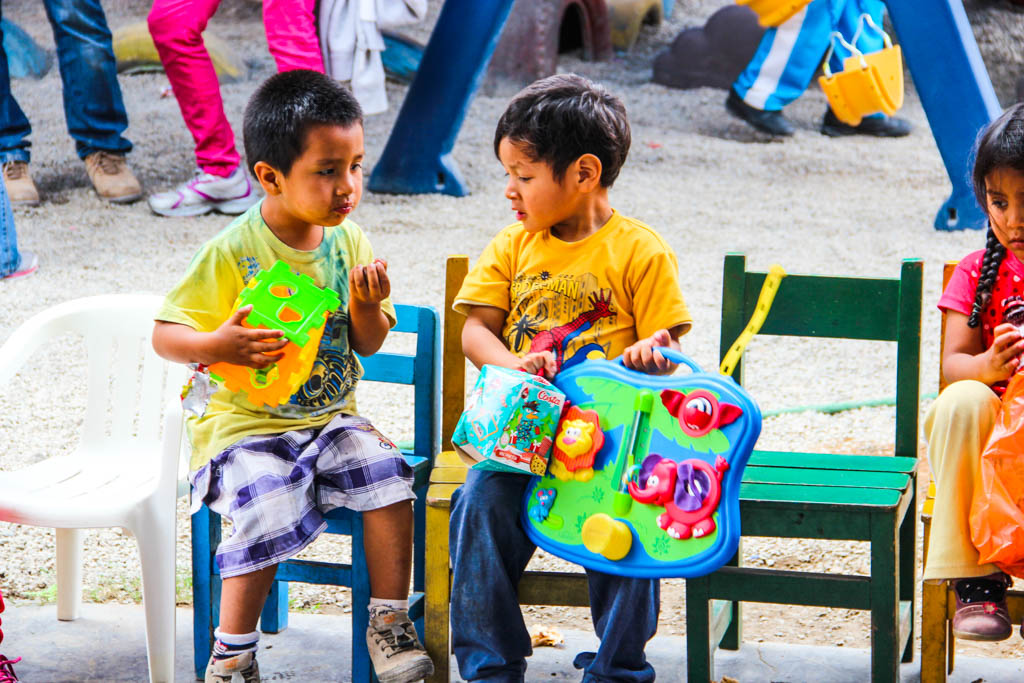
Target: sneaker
{"type": "Point", "coordinates": [7, 674]}
{"type": "Point", "coordinates": [206, 193]}
{"type": "Point", "coordinates": [224, 670]}
{"type": "Point", "coordinates": [28, 265]}
{"type": "Point", "coordinates": [395, 650]}
{"type": "Point", "coordinates": [981, 612]}
{"type": "Point", "coordinates": [112, 178]}
{"type": "Point", "coordinates": [20, 188]}
{"type": "Point", "coordinates": [878, 126]}
{"type": "Point", "coordinates": [771, 122]}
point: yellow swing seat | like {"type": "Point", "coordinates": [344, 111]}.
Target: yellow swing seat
{"type": "Point", "coordinates": [868, 84]}
{"type": "Point", "coordinates": [774, 12]}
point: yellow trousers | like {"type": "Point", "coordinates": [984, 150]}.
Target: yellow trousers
{"type": "Point", "coordinates": [957, 428]}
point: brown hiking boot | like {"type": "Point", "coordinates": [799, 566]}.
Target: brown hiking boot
{"type": "Point", "coordinates": [20, 188]}
{"type": "Point", "coordinates": [112, 178]}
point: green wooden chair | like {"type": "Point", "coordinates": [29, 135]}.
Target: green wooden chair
{"type": "Point", "coordinates": [825, 495]}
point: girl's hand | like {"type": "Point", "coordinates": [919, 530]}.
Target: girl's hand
{"type": "Point", "coordinates": [1003, 358]}
{"type": "Point", "coordinates": [255, 348]}
{"type": "Point", "coordinates": [538, 363]}
{"type": "Point", "coordinates": [643, 357]}
{"type": "Point", "coordinates": [370, 284]}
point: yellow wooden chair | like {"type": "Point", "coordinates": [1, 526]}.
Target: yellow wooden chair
{"type": "Point", "coordinates": [535, 588]}
{"type": "Point", "coordinates": [938, 602]}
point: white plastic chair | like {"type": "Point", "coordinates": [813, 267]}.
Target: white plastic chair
{"type": "Point", "coordinates": [125, 468]}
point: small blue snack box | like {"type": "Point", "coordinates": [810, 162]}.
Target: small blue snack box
{"type": "Point", "coordinates": [509, 422]}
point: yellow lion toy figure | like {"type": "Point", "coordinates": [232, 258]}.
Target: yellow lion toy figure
{"type": "Point", "coordinates": [578, 441]}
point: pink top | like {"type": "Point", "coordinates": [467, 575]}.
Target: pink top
{"type": "Point", "coordinates": [1007, 293]}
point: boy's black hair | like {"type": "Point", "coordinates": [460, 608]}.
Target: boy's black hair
{"type": "Point", "coordinates": [560, 118]}
{"type": "Point", "coordinates": [285, 107]}
{"type": "Point", "coordinates": [1000, 145]}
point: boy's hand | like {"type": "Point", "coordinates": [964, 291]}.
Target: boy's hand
{"type": "Point", "coordinates": [370, 284]}
{"type": "Point", "coordinates": [1003, 358]}
{"type": "Point", "coordinates": [538, 363]}
{"type": "Point", "coordinates": [643, 357]}
{"type": "Point", "coordinates": [234, 343]}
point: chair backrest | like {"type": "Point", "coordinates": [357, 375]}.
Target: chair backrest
{"type": "Point", "coordinates": [880, 309]}
{"type": "Point", "coordinates": [453, 383]}
{"type": "Point", "coordinates": [947, 272]}
{"type": "Point", "coordinates": [128, 383]}
{"type": "Point", "coordinates": [132, 393]}
{"type": "Point", "coordinates": [419, 369]}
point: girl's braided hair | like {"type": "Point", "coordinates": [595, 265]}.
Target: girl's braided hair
{"type": "Point", "coordinates": [1000, 145]}
{"type": "Point", "coordinates": [994, 254]}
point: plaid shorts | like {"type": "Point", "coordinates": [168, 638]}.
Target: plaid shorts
{"type": "Point", "coordinates": [275, 488]}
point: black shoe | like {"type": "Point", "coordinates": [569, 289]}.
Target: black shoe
{"type": "Point", "coordinates": [771, 122]}
{"type": "Point", "coordinates": [879, 126]}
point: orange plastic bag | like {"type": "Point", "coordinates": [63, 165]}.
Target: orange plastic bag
{"type": "Point", "coordinates": [997, 509]}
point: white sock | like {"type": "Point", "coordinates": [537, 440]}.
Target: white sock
{"type": "Point", "coordinates": [233, 644]}
{"type": "Point", "coordinates": [381, 605]}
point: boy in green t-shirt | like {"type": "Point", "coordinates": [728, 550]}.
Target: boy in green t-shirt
{"type": "Point", "coordinates": [572, 276]}
{"type": "Point", "coordinates": [275, 471]}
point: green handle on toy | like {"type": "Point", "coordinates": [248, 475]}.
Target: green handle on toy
{"type": "Point", "coordinates": [643, 403]}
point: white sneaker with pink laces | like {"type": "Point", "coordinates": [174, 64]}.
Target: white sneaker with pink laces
{"type": "Point", "coordinates": [205, 193]}
{"type": "Point", "coordinates": [29, 264]}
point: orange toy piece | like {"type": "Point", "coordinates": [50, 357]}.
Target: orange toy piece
{"type": "Point", "coordinates": [294, 304]}
{"type": "Point", "coordinates": [274, 385]}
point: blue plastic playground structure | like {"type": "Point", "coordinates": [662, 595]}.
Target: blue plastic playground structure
{"type": "Point", "coordinates": [941, 52]}
{"type": "Point", "coordinates": [955, 90]}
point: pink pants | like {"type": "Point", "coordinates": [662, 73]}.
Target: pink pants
{"type": "Point", "coordinates": [177, 27]}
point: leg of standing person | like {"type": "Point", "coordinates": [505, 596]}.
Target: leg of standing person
{"type": "Point", "coordinates": [221, 183]}
{"type": "Point", "coordinates": [13, 263]}
{"type": "Point", "coordinates": [14, 143]}
{"type": "Point", "coordinates": [93, 105]}
{"type": "Point", "coordinates": [781, 69]}
{"type": "Point", "coordinates": [868, 40]}
{"type": "Point", "coordinates": [957, 427]}
{"type": "Point", "coordinates": [489, 551]}
{"type": "Point", "coordinates": [625, 614]}
{"type": "Point", "coordinates": [291, 34]}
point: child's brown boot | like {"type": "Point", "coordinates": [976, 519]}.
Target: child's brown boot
{"type": "Point", "coordinates": [18, 181]}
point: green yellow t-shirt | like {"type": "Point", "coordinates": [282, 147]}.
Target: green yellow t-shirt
{"type": "Point", "coordinates": [602, 293]}
{"type": "Point", "coordinates": [203, 299]}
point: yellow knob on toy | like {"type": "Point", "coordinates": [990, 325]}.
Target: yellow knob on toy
{"type": "Point", "coordinates": [606, 536]}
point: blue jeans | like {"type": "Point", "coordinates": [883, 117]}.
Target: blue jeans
{"type": "Point", "coordinates": [93, 106]}
{"type": "Point", "coordinates": [490, 551]}
{"type": "Point", "coordinates": [10, 259]}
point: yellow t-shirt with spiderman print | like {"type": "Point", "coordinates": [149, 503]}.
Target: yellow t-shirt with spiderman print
{"type": "Point", "coordinates": [203, 300]}
{"type": "Point", "coordinates": [602, 293]}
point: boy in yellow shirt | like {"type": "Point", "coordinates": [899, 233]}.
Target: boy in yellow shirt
{"type": "Point", "coordinates": [274, 471]}
{"type": "Point", "coordinates": [570, 277]}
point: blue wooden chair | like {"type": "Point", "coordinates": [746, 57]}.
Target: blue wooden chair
{"type": "Point", "coordinates": [421, 370]}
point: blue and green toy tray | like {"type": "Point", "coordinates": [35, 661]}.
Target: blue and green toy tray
{"type": "Point", "coordinates": [629, 402]}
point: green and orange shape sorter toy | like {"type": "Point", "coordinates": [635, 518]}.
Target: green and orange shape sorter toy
{"type": "Point", "coordinates": [293, 303]}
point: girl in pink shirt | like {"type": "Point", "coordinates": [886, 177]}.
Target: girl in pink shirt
{"type": "Point", "coordinates": [984, 306]}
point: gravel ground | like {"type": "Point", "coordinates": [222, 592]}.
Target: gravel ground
{"type": "Point", "coordinates": [812, 204]}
